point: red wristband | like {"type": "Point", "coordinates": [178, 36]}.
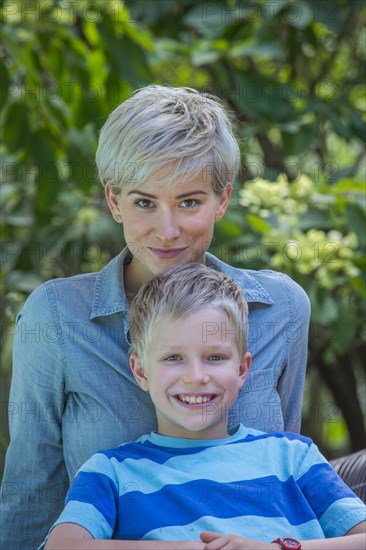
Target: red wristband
{"type": "Point", "coordinates": [288, 543]}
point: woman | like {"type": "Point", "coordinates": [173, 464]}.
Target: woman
{"type": "Point", "coordinates": [166, 158]}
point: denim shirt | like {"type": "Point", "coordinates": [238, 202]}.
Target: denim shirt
{"type": "Point", "coordinates": [73, 392]}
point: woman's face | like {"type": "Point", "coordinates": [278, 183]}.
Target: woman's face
{"type": "Point", "coordinates": [166, 227]}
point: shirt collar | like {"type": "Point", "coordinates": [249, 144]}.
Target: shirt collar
{"type": "Point", "coordinates": [110, 295]}
{"type": "Point", "coordinates": [236, 433]}
{"type": "Point", "coordinates": [253, 290]}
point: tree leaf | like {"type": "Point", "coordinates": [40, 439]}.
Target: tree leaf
{"type": "Point", "coordinates": [15, 125]}
{"type": "Point", "coordinates": [262, 51]}
{"type": "Point", "coordinates": [258, 224]}
{"type": "Point", "coordinates": [357, 221]}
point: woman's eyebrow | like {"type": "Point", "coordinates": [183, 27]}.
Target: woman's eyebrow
{"type": "Point", "coordinates": [194, 192]}
{"type": "Point", "coordinates": [182, 196]}
{"type": "Point", "coordinates": [137, 192]}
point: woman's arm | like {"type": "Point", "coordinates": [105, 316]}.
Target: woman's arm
{"type": "Point", "coordinates": [35, 479]}
{"type": "Point", "coordinates": [291, 384]}
{"type": "Point", "coordinates": [355, 539]}
{"type": "Point", "coordinates": [69, 536]}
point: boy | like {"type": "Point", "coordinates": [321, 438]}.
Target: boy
{"type": "Point", "coordinates": [192, 479]}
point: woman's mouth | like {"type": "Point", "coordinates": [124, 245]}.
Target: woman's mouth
{"type": "Point", "coordinates": [167, 253]}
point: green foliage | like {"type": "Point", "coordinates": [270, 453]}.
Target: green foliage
{"type": "Point", "coordinates": [290, 71]}
{"type": "Point", "coordinates": [315, 233]}
{"type": "Point", "coordinates": [307, 233]}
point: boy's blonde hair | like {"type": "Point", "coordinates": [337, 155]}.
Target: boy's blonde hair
{"type": "Point", "coordinates": [182, 291]}
{"type": "Point", "coordinates": [177, 132]}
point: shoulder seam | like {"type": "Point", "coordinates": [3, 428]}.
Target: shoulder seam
{"type": "Point", "coordinates": [56, 317]}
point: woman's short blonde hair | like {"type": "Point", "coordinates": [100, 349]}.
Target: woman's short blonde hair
{"type": "Point", "coordinates": [177, 132]}
{"type": "Point", "coordinates": [177, 293]}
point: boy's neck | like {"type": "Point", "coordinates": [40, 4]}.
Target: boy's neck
{"type": "Point", "coordinates": [202, 435]}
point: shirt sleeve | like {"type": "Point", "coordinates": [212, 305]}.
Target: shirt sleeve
{"type": "Point", "coordinates": [335, 505]}
{"type": "Point", "coordinates": [291, 383]}
{"type": "Point", "coordinates": [35, 479]}
{"type": "Point", "coordinates": [92, 501]}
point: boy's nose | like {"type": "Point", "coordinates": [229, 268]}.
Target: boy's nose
{"type": "Point", "coordinates": [195, 373]}
{"type": "Point", "coordinates": [167, 228]}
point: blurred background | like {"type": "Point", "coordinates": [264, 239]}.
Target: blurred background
{"type": "Point", "coordinates": [292, 74]}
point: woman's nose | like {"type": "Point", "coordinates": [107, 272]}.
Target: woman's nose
{"type": "Point", "coordinates": [167, 228]}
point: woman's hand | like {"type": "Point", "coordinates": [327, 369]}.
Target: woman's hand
{"type": "Point", "coordinates": [216, 541]}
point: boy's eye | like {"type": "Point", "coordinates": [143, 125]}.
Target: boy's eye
{"type": "Point", "coordinates": [175, 357]}
{"type": "Point", "coordinates": [144, 203]}
{"type": "Point", "coordinates": [216, 357]}
{"type": "Point", "coordinates": [189, 203]}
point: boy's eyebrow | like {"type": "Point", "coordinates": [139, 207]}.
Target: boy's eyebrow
{"type": "Point", "coordinates": [182, 196]}
{"type": "Point", "coordinates": [173, 347]}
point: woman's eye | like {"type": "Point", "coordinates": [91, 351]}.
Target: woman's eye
{"type": "Point", "coordinates": [189, 203]}
{"type": "Point", "coordinates": [144, 203]}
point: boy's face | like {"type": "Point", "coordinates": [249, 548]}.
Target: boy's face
{"type": "Point", "coordinates": [194, 373]}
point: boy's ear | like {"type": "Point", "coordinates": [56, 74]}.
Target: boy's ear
{"type": "Point", "coordinates": [138, 372]}
{"type": "Point", "coordinates": [244, 367]}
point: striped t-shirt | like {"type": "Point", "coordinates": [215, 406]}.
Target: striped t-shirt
{"type": "Point", "coordinates": [253, 484]}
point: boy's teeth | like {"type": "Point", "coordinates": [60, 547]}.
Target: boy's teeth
{"type": "Point", "coordinates": [195, 399]}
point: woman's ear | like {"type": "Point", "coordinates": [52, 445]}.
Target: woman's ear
{"type": "Point", "coordinates": [223, 201]}
{"type": "Point", "coordinates": [113, 202]}
{"type": "Point", "coordinates": [138, 372]}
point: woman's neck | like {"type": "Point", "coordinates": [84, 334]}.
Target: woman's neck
{"type": "Point", "coordinates": [134, 278]}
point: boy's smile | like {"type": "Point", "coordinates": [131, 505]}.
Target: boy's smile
{"type": "Point", "coordinates": [193, 373]}
{"type": "Point", "coordinates": [193, 400]}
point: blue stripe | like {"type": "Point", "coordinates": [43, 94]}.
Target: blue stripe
{"type": "Point", "coordinates": [186, 503]}
{"type": "Point", "coordinates": [289, 436]}
{"type": "Point", "coordinates": [98, 490]}
{"type": "Point", "coordinates": [138, 451]}
{"type": "Point", "coordinates": [154, 453]}
{"type": "Point", "coordinates": [160, 454]}
{"type": "Point", "coordinates": [323, 494]}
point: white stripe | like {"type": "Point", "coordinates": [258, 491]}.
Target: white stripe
{"type": "Point", "coordinates": [342, 515]}
{"type": "Point", "coordinates": [224, 464]}
{"type": "Point", "coordinates": [86, 515]}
